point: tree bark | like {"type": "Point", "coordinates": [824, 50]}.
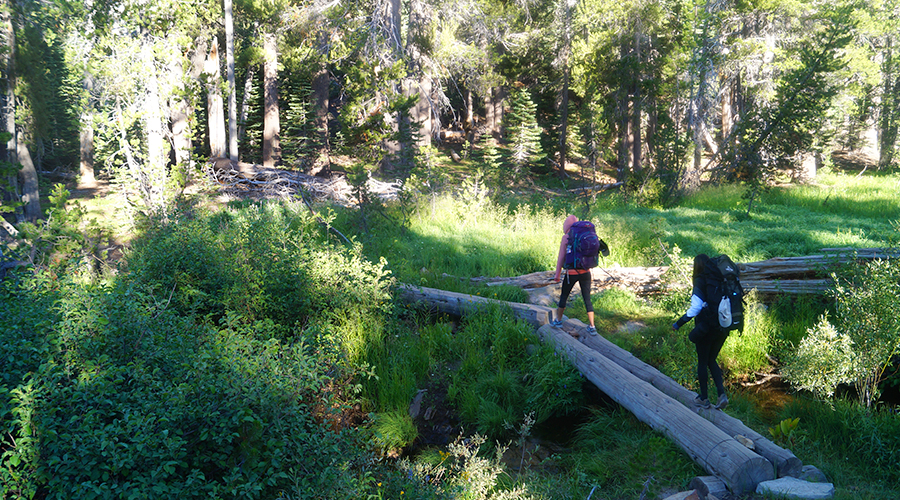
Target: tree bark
{"type": "Point", "coordinates": [564, 91]}
{"type": "Point", "coordinates": [636, 110]}
{"type": "Point", "coordinates": [9, 90]}
{"type": "Point", "coordinates": [707, 445]}
{"type": "Point", "coordinates": [422, 112]}
{"type": "Point", "coordinates": [232, 98]}
{"type": "Point", "coordinates": [154, 174]}
{"type": "Point", "coordinates": [29, 179]}
{"type": "Point", "coordinates": [322, 101]}
{"type": "Point", "coordinates": [271, 126]}
{"type": "Point", "coordinates": [889, 102]}
{"type": "Point", "coordinates": [86, 178]}
{"type": "Point", "coordinates": [245, 102]}
{"type": "Point", "coordinates": [214, 106]}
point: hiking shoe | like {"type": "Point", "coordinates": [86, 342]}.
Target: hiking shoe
{"type": "Point", "coordinates": [722, 403]}
{"type": "Point", "coordinates": [557, 323]}
{"type": "Point", "coordinates": [592, 330]}
{"type": "Point", "coordinates": [702, 402]}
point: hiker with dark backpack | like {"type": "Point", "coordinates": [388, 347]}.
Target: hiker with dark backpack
{"type": "Point", "coordinates": [578, 252]}
{"type": "Point", "coordinates": [716, 308]}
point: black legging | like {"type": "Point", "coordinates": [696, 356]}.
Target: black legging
{"type": "Point", "coordinates": [584, 280]}
{"type": "Point", "coordinates": [707, 351]}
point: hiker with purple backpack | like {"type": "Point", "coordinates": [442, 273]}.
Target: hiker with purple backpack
{"type": "Point", "coordinates": [578, 250]}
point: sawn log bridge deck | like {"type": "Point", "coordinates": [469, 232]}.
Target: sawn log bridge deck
{"type": "Point", "coordinates": [709, 437]}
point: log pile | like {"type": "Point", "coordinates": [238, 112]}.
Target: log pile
{"type": "Point", "coordinates": [779, 275]}
{"type": "Point", "coordinates": [248, 179]}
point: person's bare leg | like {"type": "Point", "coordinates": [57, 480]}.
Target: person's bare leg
{"type": "Point", "coordinates": [591, 317]}
{"type": "Point", "coordinates": [559, 312]}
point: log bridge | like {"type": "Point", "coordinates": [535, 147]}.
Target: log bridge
{"type": "Point", "coordinates": [722, 445]}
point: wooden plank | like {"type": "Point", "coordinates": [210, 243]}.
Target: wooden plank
{"type": "Point", "coordinates": [718, 453]}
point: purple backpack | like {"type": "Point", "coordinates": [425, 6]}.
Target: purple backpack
{"type": "Point", "coordinates": [583, 246]}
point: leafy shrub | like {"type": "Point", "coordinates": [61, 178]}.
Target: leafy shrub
{"type": "Point", "coordinates": [824, 360]}
{"type": "Point", "coordinates": [861, 344]}
{"type": "Point", "coordinates": [65, 240]}
{"type": "Point", "coordinates": [262, 261]}
{"type": "Point", "coordinates": [136, 401]}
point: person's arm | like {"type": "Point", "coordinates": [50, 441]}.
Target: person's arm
{"type": "Point", "coordinates": [561, 257]}
{"type": "Point", "coordinates": [697, 304]}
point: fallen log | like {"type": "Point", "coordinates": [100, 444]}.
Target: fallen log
{"type": "Point", "coordinates": [778, 275]}
{"type": "Point", "coordinates": [718, 453]}
{"type": "Point", "coordinates": [459, 304]}
{"type": "Point", "coordinates": [784, 461]}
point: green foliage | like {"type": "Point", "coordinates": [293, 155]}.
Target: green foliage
{"type": "Point", "coordinates": [505, 375]}
{"type": "Point", "coordinates": [862, 445]}
{"type": "Point", "coordinates": [862, 343]}
{"type": "Point", "coordinates": [823, 360]}
{"type": "Point", "coordinates": [465, 472]}
{"type": "Point", "coordinates": [392, 431]}
{"type": "Point", "coordinates": [65, 240]}
{"type": "Point", "coordinates": [111, 392]}
{"type": "Point", "coordinates": [524, 132]}
{"type": "Point", "coordinates": [264, 261]}
{"type": "Point", "coordinates": [618, 453]}
{"type": "Point", "coordinates": [785, 430]}
{"type": "Point", "coordinates": [769, 139]}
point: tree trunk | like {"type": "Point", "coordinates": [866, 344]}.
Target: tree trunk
{"type": "Point", "coordinates": [564, 91]}
{"type": "Point", "coordinates": [245, 102]}
{"type": "Point", "coordinates": [322, 101]}
{"type": "Point", "coordinates": [214, 106]}
{"type": "Point", "coordinates": [9, 95]}
{"type": "Point", "coordinates": [889, 102]}
{"type": "Point", "coordinates": [489, 119]}
{"type": "Point", "coordinates": [29, 179]}
{"type": "Point", "coordinates": [155, 174]}
{"type": "Point", "coordinates": [232, 98]}
{"type": "Point", "coordinates": [271, 125]}
{"type": "Point", "coordinates": [422, 112]}
{"type": "Point", "coordinates": [636, 110]}
{"type": "Point", "coordinates": [86, 179]}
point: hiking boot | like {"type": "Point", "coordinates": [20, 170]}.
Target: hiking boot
{"type": "Point", "coordinates": [702, 403]}
{"type": "Point", "coordinates": [722, 402]}
{"type": "Point", "coordinates": [557, 323]}
{"type": "Point", "coordinates": [592, 330]}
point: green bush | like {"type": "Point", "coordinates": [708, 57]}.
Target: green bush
{"type": "Point", "coordinates": [864, 339]}
{"type": "Point", "coordinates": [137, 402]}
{"type": "Point", "coordinates": [261, 261]}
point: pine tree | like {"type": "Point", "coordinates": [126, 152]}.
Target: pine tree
{"type": "Point", "coordinates": [524, 132]}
